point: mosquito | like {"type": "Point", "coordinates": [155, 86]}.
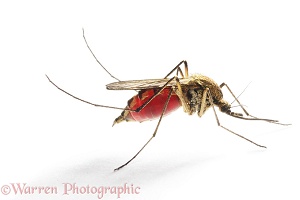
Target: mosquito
{"type": "Point", "coordinates": [159, 97]}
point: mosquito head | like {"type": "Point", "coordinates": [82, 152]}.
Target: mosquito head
{"type": "Point", "coordinates": [225, 107]}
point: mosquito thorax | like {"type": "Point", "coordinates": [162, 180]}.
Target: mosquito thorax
{"type": "Point", "coordinates": [206, 82]}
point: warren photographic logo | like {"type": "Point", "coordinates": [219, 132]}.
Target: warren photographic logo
{"type": "Point", "coordinates": [69, 189]}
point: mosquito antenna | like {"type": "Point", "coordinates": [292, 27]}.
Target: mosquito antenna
{"type": "Point", "coordinates": [241, 93]}
{"type": "Point", "coordinates": [96, 57]}
{"type": "Point", "coordinates": [239, 106]}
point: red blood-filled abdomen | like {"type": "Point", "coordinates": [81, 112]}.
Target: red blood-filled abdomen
{"type": "Point", "coordinates": [154, 108]}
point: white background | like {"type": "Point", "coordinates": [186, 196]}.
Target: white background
{"type": "Point", "coordinates": [49, 138]}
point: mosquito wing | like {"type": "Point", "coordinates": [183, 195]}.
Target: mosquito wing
{"type": "Point", "coordinates": [140, 84]}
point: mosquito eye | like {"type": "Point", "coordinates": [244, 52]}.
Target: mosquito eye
{"type": "Point", "coordinates": [225, 108]}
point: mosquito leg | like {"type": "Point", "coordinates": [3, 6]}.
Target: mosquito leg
{"type": "Point", "coordinates": [236, 99]}
{"type": "Point", "coordinates": [84, 100]}
{"type": "Point", "coordinates": [98, 105]}
{"type": "Point", "coordinates": [178, 91]}
{"type": "Point", "coordinates": [246, 112]}
{"type": "Point", "coordinates": [155, 94]}
{"type": "Point", "coordinates": [241, 93]}
{"type": "Point", "coordinates": [182, 98]}
{"type": "Point", "coordinates": [219, 124]}
{"type": "Point", "coordinates": [154, 134]}
{"type": "Point", "coordinates": [186, 70]}
{"type": "Point", "coordinates": [179, 70]}
{"type": "Point", "coordinates": [96, 57]}
{"type": "Point", "coordinates": [203, 102]}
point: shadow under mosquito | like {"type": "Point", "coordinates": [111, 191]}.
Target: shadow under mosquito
{"type": "Point", "coordinates": [99, 172]}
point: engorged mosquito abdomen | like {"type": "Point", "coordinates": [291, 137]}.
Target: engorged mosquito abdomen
{"type": "Point", "coordinates": [153, 109]}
